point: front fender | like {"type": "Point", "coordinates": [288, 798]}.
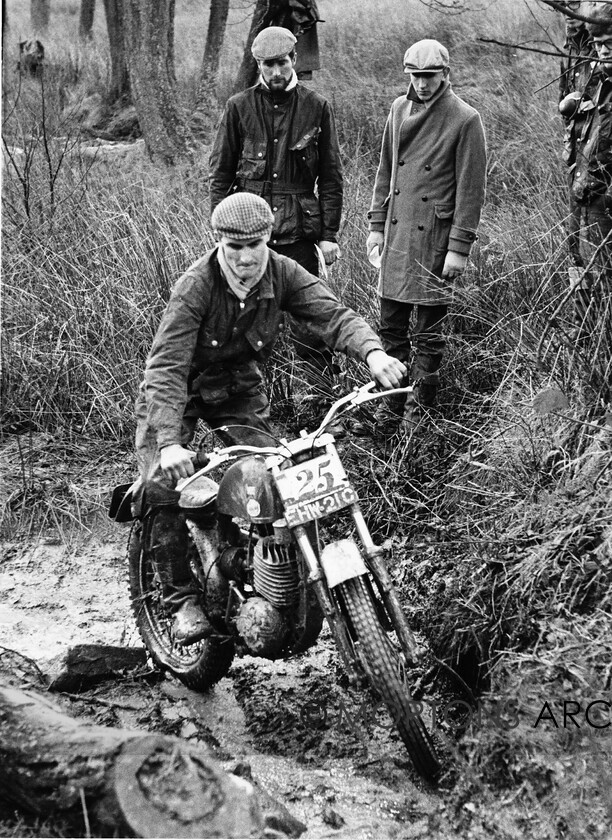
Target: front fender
{"type": "Point", "coordinates": [341, 560]}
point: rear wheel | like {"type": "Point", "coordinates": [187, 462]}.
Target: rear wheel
{"type": "Point", "coordinates": [383, 664]}
{"type": "Point", "coordinates": [198, 666]}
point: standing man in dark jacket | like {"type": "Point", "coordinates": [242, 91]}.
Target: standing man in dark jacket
{"type": "Point", "coordinates": [218, 329]}
{"type": "Point", "coordinates": [428, 195]}
{"type": "Point", "coordinates": [278, 140]}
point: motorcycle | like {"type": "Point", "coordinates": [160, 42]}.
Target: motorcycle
{"type": "Point", "coordinates": [269, 577]}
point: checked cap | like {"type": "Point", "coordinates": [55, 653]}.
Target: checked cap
{"type": "Point", "coordinates": [242, 216]}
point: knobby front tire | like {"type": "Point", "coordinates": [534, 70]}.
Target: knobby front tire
{"type": "Point", "coordinates": [383, 665]}
{"type": "Point", "coordinates": [200, 665]}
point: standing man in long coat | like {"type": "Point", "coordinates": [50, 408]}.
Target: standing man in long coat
{"type": "Point", "coordinates": [425, 211]}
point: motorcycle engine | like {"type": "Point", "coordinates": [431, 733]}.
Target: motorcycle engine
{"type": "Point", "coordinates": [275, 572]}
{"type": "Point", "coordinates": [262, 627]}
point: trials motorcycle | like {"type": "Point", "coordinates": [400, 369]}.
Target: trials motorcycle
{"type": "Point", "coordinates": [269, 576]}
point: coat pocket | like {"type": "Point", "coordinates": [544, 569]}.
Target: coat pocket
{"type": "Point", "coordinates": [310, 212]}
{"type": "Point", "coordinates": [252, 160]}
{"type": "Point", "coordinates": [306, 153]}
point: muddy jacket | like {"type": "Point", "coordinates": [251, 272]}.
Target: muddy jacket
{"type": "Point", "coordinates": [428, 193]}
{"type": "Point", "coordinates": [211, 344]}
{"type": "Point", "coordinates": [279, 145]}
{"type": "Point", "coordinates": [591, 176]}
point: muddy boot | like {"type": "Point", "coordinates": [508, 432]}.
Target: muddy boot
{"type": "Point", "coordinates": [169, 547]}
{"type": "Point", "coordinates": [411, 416]}
{"type": "Point", "coordinates": [426, 392]}
{"type": "Point", "coordinates": [419, 404]}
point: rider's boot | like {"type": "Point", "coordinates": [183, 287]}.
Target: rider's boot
{"type": "Point", "coordinates": [169, 546]}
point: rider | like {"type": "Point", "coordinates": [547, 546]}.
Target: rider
{"type": "Point", "coordinates": [219, 327]}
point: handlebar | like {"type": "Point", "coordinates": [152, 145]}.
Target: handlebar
{"type": "Point", "coordinates": [208, 461]}
{"type": "Point", "coordinates": [357, 397]}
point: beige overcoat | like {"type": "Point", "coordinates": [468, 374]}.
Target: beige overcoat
{"type": "Point", "coordinates": [428, 193]}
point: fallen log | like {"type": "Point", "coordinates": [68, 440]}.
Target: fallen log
{"type": "Point", "coordinates": [131, 783]}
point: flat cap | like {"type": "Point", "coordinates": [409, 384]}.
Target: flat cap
{"type": "Point", "coordinates": [427, 56]}
{"type": "Point", "coordinates": [273, 42]}
{"type": "Point", "coordinates": [242, 216]}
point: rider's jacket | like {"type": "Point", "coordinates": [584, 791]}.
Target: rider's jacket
{"type": "Point", "coordinates": [280, 146]}
{"type": "Point", "coordinates": [212, 344]}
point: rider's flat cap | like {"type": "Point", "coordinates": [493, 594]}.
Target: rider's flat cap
{"type": "Point", "coordinates": [273, 42]}
{"type": "Point", "coordinates": [427, 56]}
{"type": "Point", "coordinates": [242, 216]}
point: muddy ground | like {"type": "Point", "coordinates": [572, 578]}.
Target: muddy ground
{"type": "Point", "coordinates": [306, 736]}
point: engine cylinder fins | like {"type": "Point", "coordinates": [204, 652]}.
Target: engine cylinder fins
{"type": "Point", "coordinates": [275, 573]}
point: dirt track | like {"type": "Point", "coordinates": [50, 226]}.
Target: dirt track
{"type": "Point", "coordinates": [308, 740]}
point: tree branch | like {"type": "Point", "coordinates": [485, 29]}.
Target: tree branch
{"type": "Point", "coordinates": [561, 7]}
{"type": "Point", "coordinates": [556, 53]}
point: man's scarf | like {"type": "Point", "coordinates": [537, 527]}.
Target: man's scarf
{"type": "Point", "coordinates": [239, 287]}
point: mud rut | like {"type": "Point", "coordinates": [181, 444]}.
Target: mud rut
{"type": "Point", "coordinates": [316, 747]}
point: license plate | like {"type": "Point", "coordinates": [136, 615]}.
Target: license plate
{"type": "Point", "coordinates": [314, 489]}
{"type": "Point", "coordinates": [316, 508]}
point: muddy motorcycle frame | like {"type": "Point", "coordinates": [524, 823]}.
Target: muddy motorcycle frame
{"type": "Point", "coordinates": [268, 578]}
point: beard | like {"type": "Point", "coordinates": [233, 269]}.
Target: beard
{"type": "Point", "coordinates": [278, 84]}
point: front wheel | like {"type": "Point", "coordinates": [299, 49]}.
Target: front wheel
{"type": "Point", "coordinates": [198, 666]}
{"type": "Point", "coordinates": [383, 665]}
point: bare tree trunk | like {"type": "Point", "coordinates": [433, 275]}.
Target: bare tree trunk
{"type": "Point", "coordinates": [149, 26]}
{"type": "Point", "coordinates": [130, 783]}
{"type": "Point", "coordinates": [214, 40]}
{"type": "Point", "coordinates": [120, 81]}
{"type": "Point", "coordinates": [86, 18]}
{"type": "Point", "coordinates": [247, 73]}
{"type": "Point", "coordinates": [39, 16]}
{"type": "Point", "coordinates": [203, 116]}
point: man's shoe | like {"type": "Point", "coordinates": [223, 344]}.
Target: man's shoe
{"type": "Point", "coordinates": [189, 624]}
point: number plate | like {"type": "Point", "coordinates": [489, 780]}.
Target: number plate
{"type": "Point", "coordinates": [314, 489]}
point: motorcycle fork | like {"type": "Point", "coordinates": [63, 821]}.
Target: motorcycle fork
{"type": "Point", "coordinates": [376, 564]}
{"type": "Point", "coordinates": [335, 620]}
